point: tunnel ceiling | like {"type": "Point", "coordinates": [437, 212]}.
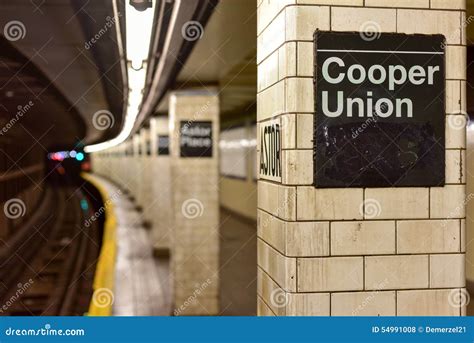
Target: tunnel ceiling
{"type": "Point", "coordinates": [56, 36]}
{"type": "Point", "coordinates": [27, 101]}
{"type": "Point", "coordinates": [224, 57]}
{"type": "Point", "coordinates": [178, 25]}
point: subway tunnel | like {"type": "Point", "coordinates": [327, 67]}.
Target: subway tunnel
{"type": "Point", "coordinates": [236, 158]}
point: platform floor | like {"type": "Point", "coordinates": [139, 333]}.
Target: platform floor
{"type": "Point", "coordinates": [141, 280]}
{"type": "Point", "coordinates": [238, 260]}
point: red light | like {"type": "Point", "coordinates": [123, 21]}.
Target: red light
{"type": "Point", "coordinates": [57, 157]}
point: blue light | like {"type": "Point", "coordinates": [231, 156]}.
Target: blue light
{"type": "Point", "coordinates": [84, 204]}
{"type": "Point", "coordinates": [79, 156]}
{"type": "Point", "coordinates": [73, 153]}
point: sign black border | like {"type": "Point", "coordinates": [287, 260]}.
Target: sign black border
{"type": "Point", "coordinates": [315, 81]}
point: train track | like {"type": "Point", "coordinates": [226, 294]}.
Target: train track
{"type": "Point", "coordinates": [49, 269]}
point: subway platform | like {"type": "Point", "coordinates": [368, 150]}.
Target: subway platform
{"type": "Point", "coordinates": [236, 158]}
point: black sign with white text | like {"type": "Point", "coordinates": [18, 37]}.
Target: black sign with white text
{"type": "Point", "coordinates": [148, 147]}
{"type": "Point", "coordinates": [163, 145]}
{"type": "Point", "coordinates": [196, 139]}
{"type": "Point", "coordinates": [270, 150]}
{"type": "Point", "coordinates": [380, 110]}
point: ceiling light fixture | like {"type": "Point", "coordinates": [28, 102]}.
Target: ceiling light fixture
{"type": "Point", "coordinates": [138, 32]}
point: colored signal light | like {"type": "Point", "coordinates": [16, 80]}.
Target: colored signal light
{"type": "Point", "coordinates": [79, 156]}
{"type": "Point", "coordinates": [84, 204]}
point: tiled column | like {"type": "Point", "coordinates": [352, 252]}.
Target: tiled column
{"type": "Point", "coordinates": [145, 189]}
{"type": "Point", "coordinates": [141, 168]}
{"type": "Point", "coordinates": [195, 206]}
{"type": "Point", "coordinates": [122, 162]}
{"type": "Point", "coordinates": [318, 252]}
{"type": "Point", "coordinates": [135, 168]}
{"type": "Point", "coordinates": [128, 166]}
{"type": "Point", "coordinates": [161, 185]}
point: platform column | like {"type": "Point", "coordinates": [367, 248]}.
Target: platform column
{"type": "Point", "coordinates": [161, 183]}
{"type": "Point", "coordinates": [358, 250]}
{"type": "Point", "coordinates": [135, 169]}
{"type": "Point", "coordinates": [127, 171]}
{"type": "Point", "coordinates": [145, 185]}
{"type": "Point", "coordinates": [194, 131]}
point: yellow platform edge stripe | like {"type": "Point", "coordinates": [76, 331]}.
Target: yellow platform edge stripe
{"type": "Point", "coordinates": [104, 278]}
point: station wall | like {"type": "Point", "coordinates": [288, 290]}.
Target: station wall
{"type": "Point", "coordinates": [238, 188]}
{"type": "Point", "coordinates": [355, 251]}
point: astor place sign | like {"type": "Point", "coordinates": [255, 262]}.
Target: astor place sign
{"type": "Point", "coordinates": [380, 110]}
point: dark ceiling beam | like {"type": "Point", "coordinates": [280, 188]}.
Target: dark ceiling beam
{"type": "Point", "coordinates": [161, 21]}
{"type": "Point", "coordinates": [175, 51]}
{"type": "Point", "coordinates": [106, 54]}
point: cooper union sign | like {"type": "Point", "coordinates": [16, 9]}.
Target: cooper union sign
{"type": "Point", "coordinates": [380, 110]}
